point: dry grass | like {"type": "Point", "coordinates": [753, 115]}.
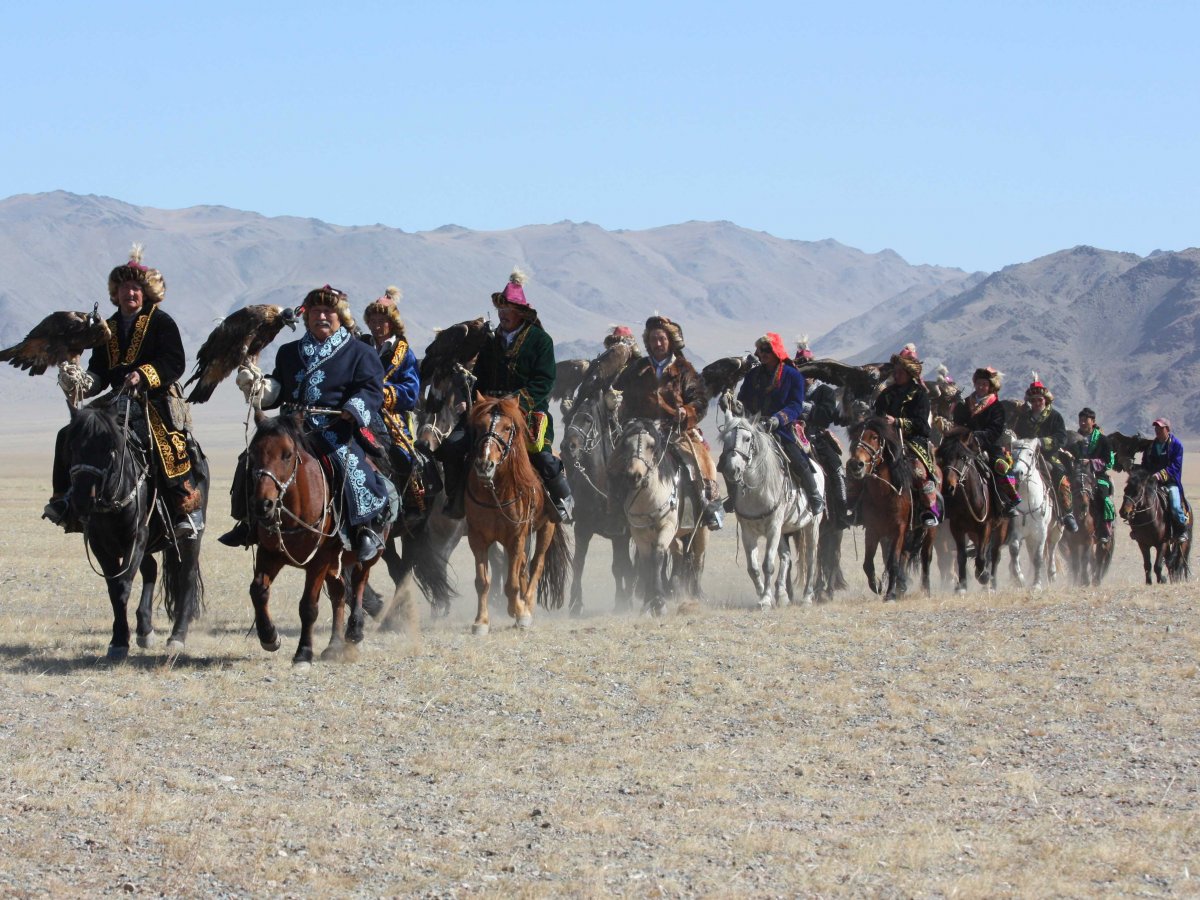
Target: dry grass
{"type": "Point", "coordinates": [1008, 744]}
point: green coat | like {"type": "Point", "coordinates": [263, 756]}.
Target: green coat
{"type": "Point", "coordinates": [525, 368]}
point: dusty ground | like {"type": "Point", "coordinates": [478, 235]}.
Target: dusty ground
{"type": "Point", "coordinates": [990, 745]}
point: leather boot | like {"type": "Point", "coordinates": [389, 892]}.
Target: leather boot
{"type": "Point", "coordinates": [241, 535]}
{"type": "Point", "coordinates": [190, 525]}
{"type": "Point", "coordinates": [842, 513]}
{"type": "Point", "coordinates": [808, 478]}
{"type": "Point", "coordinates": [367, 544]}
{"type": "Point", "coordinates": [559, 490]}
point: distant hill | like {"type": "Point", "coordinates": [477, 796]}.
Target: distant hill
{"type": "Point", "coordinates": [1109, 330]}
{"type": "Point", "coordinates": [725, 284]}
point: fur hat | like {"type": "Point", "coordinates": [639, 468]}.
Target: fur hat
{"type": "Point", "coordinates": [620, 334]}
{"type": "Point", "coordinates": [907, 360]}
{"type": "Point", "coordinates": [773, 342]}
{"type": "Point", "coordinates": [674, 332]}
{"type": "Point", "coordinates": [989, 374]}
{"type": "Point", "coordinates": [1037, 389]}
{"type": "Point", "coordinates": [332, 297]}
{"type": "Point", "coordinates": [154, 288]}
{"type": "Point", "coordinates": [513, 295]}
{"type": "Point", "coordinates": [803, 351]}
{"type": "Point", "coordinates": [388, 305]}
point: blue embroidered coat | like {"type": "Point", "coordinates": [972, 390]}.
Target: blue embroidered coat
{"type": "Point", "coordinates": [345, 374]}
{"type": "Point", "coordinates": [401, 388]}
{"type": "Point", "coordinates": [778, 395]}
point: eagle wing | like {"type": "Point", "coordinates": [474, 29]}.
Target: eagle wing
{"type": "Point", "coordinates": [1125, 448]}
{"type": "Point", "coordinates": [457, 345]}
{"type": "Point", "coordinates": [860, 381]}
{"type": "Point", "coordinates": [58, 338]}
{"type": "Point", "coordinates": [237, 340]}
{"type": "Point", "coordinates": [724, 374]}
{"type": "Point", "coordinates": [568, 375]}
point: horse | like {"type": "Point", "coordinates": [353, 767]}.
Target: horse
{"type": "Point", "coordinates": [879, 464]}
{"type": "Point", "coordinates": [1147, 511]}
{"type": "Point", "coordinates": [589, 439]}
{"type": "Point", "coordinates": [972, 511]}
{"type": "Point", "coordinates": [769, 508]}
{"type": "Point", "coordinates": [646, 479]}
{"type": "Point", "coordinates": [506, 504]}
{"type": "Point", "coordinates": [1035, 525]}
{"type": "Point", "coordinates": [1087, 555]}
{"type": "Point", "coordinates": [125, 522]}
{"type": "Point", "coordinates": [293, 507]}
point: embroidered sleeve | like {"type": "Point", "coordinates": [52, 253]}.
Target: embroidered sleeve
{"type": "Point", "coordinates": [151, 376]}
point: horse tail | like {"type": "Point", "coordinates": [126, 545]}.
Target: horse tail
{"type": "Point", "coordinates": [430, 570]}
{"type": "Point", "coordinates": [552, 586]}
{"type": "Point", "coordinates": [183, 586]}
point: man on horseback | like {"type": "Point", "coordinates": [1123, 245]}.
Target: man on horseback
{"type": "Point", "coordinates": [1094, 446]}
{"type": "Point", "coordinates": [1163, 459]}
{"type": "Point", "coordinates": [981, 415]}
{"type": "Point", "coordinates": [821, 413]}
{"type": "Point", "coordinates": [401, 388]}
{"type": "Point", "coordinates": [774, 390]}
{"type": "Point", "coordinates": [664, 387]}
{"type": "Point", "coordinates": [145, 358]}
{"type": "Point", "coordinates": [325, 370]}
{"type": "Point", "coordinates": [517, 359]}
{"type": "Point", "coordinates": [905, 404]}
{"type": "Point", "coordinates": [1039, 419]}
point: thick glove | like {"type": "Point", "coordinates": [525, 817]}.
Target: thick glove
{"type": "Point", "coordinates": [74, 381]}
{"type": "Point", "coordinates": [770, 425]}
{"type": "Point", "coordinates": [249, 381]}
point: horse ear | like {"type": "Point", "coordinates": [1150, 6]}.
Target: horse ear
{"type": "Point", "coordinates": [259, 416]}
{"type": "Point", "coordinates": [479, 398]}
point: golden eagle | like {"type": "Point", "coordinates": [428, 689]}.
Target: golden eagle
{"type": "Point", "coordinates": [58, 338]}
{"type": "Point", "coordinates": [457, 345]}
{"type": "Point", "coordinates": [725, 374]}
{"type": "Point", "coordinates": [235, 342]}
{"type": "Point", "coordinates": [568, 375]}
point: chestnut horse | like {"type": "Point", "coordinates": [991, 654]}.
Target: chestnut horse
{"type": "Point", "coordinates": [506, 504]}
{"type": "Point", "coordinates": [972, 509]}
{"type": "Point", "coordinates": [293, 507]}
{"type": "Point", "coordinates": [879, 464]}
{"type": "Point", "coordinates": [1147, 511]}
{"type": "Point", "coordinates": [1087, 555]}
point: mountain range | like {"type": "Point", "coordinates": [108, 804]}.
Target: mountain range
{"type": "Point", "coordinates": [1112, 330]}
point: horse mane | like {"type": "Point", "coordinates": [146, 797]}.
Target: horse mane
{"type": "Point", "coordinates": [94, 421]}
{"type": "Point", "coordinates": [898, 463]}
{"type": "Point", "coordinates": [524, 476]}
{"type": "Point", "coordinates": [289, 427]}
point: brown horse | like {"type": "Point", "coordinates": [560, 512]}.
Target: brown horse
{"type": "Point", "coordinates": [880, 466]}
{"type": "Point", "coordinates": [506, 504]}
{"type": "Point", "coordinates": [1087, 555]}
{"type": "Point", "coordinates": [1147, 511]}
{"type": "Point", "coordinates": [293, 507]}
{"type": "Point", "coordinates": [972, 511]}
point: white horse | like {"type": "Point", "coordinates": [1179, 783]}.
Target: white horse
{"type": "Point", "coordinates": [769, 508]}
{"type": "Point", "coordinates": [1035, 525]}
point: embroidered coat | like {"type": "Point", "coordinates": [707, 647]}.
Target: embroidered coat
{"type": "Point", "coordinates": [908, 404]}
{"type": "Point", "coordinates": [1048, 428]}
{"type": "Point", "coordinates": [778, 395]}
{"type": "Point", "coordinates": [1165, 461]}
{"type": "Point", "coordinates": [345, 374]}
{"type": "Point", "coordinates": [648, 397]}
{"type": "Point", "coordinates": [985, 419]}
{"type": "Point", "coordinates": [524, 368]}
{"type": "Point", "coordinates": [401, 388]}
{"type": "Point", "coordinates": [154, 348]}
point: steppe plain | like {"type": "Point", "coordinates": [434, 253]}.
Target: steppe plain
{"type": "Point", "coordinates": [1004, 744]}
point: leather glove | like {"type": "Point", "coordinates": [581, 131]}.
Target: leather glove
{"type": "Point", "coordinates": [248, 381]}
{"type": "Point", "coordinates": [73, 380]}
{"type": "Point", "coordinates": [770, 425]}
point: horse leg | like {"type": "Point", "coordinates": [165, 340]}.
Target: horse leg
{"type": "Point", "coordinates": [267, 566]}
{"type": "Point", "coordinates": [926, 562]}
{"type": "Point", "coordinates": [118, 596]}
{"type": "Point", "coordinates": [870, 542]}
{"type": "Point", "coordinates": [146, 637]}
{"type": "Point", "coordinates": [1014, 559]}
{"type": "Point", "coordinates": [479, 549]}
{"type": "Point", "coordinates": [754, 567]}
{"type": "Point", "coordinates": [337, 599]}
{"type": "Point", "coordinates": [1158, 564]}
{"type": "Point", "coordinates": [893, 548]}
{"type": "Point", "coordinates": [1145, 548]}
{"type": "Point", "coordinates": [583, 540]}
{"type": "Point", "coordinates": [184, 591]}
{"type": "Point", "coordinates": [315, 575]}
{"type": "Point", "coordinates": [533, 569]}
{"type": "Point", "coordinates": [767, 596]}
{"type": "Point", "coordinates": [622, 570]}
{"type": "Point", "coordinates": [960, 549]}
{"type": "Point", "coordinates": [355, 613]}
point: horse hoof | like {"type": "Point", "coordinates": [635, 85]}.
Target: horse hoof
{"type": "Point", "coordinates": [303, 658]}
{"type": "Point", "coordinates": [270, 646]}
{"type": "Point", "coordinates": [301, 665]}
{"type": "Point", "coordinates": [116, 654]}
{"type": "Point", "coordinates": [524, 621]}
{"type": "Point", "coordinates": [146, 641]}
{"type": "Point", "coordinates": [479, 628]}
{"type": "Point", "coordinates": [174, 647]}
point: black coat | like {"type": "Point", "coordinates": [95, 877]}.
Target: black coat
{"type": "Point", "coordinates": [908, 404]}
{"type": "Point", "coordinates": [985, 423]}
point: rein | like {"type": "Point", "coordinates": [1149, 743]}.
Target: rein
{"type": "Point", "coordinates": [273, 525]}
{"type": "Point", "coordinates": [642, 483]}
{"type": "Point", "coordinates": [872, 463]}
{"type": "Point", "coordinates": [505, 450]}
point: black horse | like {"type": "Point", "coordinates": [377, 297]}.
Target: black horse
{"type": "Point", "coordinates": [125, 521]}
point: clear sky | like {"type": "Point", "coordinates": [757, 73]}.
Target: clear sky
{"type": "Point", "coordinates": [969, 134]}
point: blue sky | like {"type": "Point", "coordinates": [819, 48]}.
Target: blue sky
{"type": "Point", "coordinates": [966, 134]}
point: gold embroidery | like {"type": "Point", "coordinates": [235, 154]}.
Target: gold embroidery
{"type": "Point", "coordinates": [135, 345]}
{"type": "Point", "coordinates": [150, 374]}
{"type": "Point", "coordinates": [171, 446]}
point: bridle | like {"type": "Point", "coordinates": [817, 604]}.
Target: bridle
{"type": "Point", "coordinates": [651, 465]}
{"type": "Point", "coordinates": [273, 522]}
{"type": "Point", "coordinates": [874, 457]}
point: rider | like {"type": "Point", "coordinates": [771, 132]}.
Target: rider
{"type": "Point", "coordinates": [774, 390]}
{"type": "Point", "coordinates": [982, 415]}
{"type": "Point", "coordinates": [144, 356]}
{"type": "Point", "coordinates": [1163, 459]}
{"type": "Point", "coordinates": [821, 405]}
{"type": "Point", "coordinates": [905, 404]}
{"type": "Point", "coordinates": [664, 387]}
{"type": "Point", "coordinates": [401, 387]}
{"type": "Point", "coordinates": [1039, 419]}
{"type": "Point", "coordinates": [1094, 446]}
{"type": "Point", "coordinates": [327, 369]}
{"type": "Point", "coordinates": [517, 359]}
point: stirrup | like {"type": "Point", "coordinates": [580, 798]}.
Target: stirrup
{"type": "Point", "coordinates": [241, 535]}
{"type": "Point", "coordinates": [368, 544]}
{"type": "Point", "coordinates": [714, 515]}
{"type": "Point", "coordinates": [190, 527]}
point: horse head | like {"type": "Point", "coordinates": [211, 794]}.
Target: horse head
{"type": "Point", "coordinates": [876, 441]}
{"type": "Point", "coordinates": [739, 447]}
{"type": "Point", "coordinates": [1139, 493]}
{"type": "Point", "coordinates": [104, 464]}
{"type": "Point", "coordinates": [274, 457]}
{"type": "Point", "coordinates": [1025, 452]}
{"type": "Point", "coordinates": [500, 429]}
{"type": "Point", "coordinates": [956, 454]}
{"type": "Point", "coordinates": [636, 457]}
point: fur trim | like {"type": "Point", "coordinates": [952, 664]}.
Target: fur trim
{"type": "Point", "coordinates": [517, 276]}
{"type": "Point", "coordinates": [662, 323]}
{"type": "Point", "coordinates": [803, 351]}
{"type": "Point", "coordinates": [994, 377]}
{"type": "Point", "coordinates": [387, 306]}
{"type": "Point", "coordinates": [154, 286]}
{"type": "Point", "coordinates": [331, 296]}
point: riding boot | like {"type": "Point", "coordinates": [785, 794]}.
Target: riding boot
{"type": "Point", "coordinates": [367, 544]}
{"type": "Point", "coordinates": [559, 490]}
{"type": "Point", "coordinates": [930, 514]}
{"type": "Point", "coordinates": [241, 535]}
{"type": "Point", "coordinates": [730, 500]}
{"type": "Point", "coordinates": [1012, 499]}
{"type": "Point", "coordinates": [1066, 500]}
{"type": "Point", "coordinates": [808, 478]}
{"type": "Point", "coordinates": [190, 526]}
{"type": "Point", "coordinates": [455, 475]}
{"type": "Point", "coordinates": [842, 513]}
{"type": "Point", "coordinates": [712, 516]}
